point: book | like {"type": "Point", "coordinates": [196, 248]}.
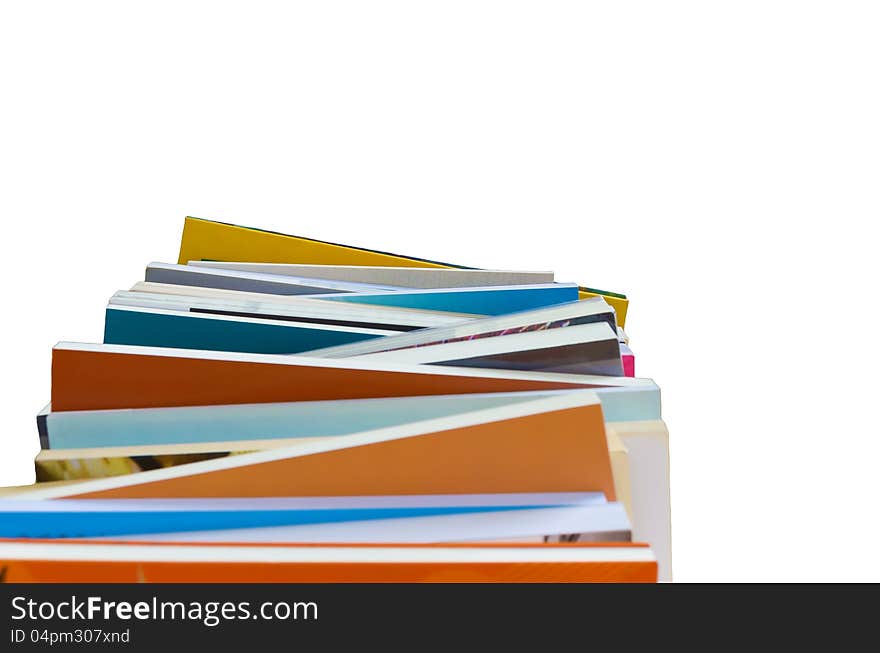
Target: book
{"type": "Point", "coordinates": [406, 277]}
{"type": "Point", "coordinates": [149, 427]}
{"type": "Point", "coordinates": [97, 562]}
{"type": "Point", "coordinates": [97, 376]}
{"type": "Point", "coordinates": [82, 463]}
{"type": "Point", "coordinates": [278, 307]}
{"type": "Point", "coordinates": [482, 300]}
{"type": "Point", "coordinates": [629, 403]}
{"type": "Point", "coordinates": [601, 521]}
{"type": "Point", "coordinates": [273, 284]}
{"type": "Point", "coordinates": [583, 349]}
{"type": "Point", "coordinates": [647, 443]}
{"type": "Point", "coordinates": [628, 359]}
{"type": "Point", "coordinates": [218, 241]}
{"type": "Point", "coordinates": [586, 311]}
{"type": "Point", "coordinates": [130, 325]}
{"type": "Point", "coordinates": [81, 518]}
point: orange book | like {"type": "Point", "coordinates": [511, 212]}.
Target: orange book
{"type": "Point", "coordinates": [66, 561]}
{"type": "Point", "coordinates": [556, 443]}
{"type": "Point", "coordinates": [93, 377]}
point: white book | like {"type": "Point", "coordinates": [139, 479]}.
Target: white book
{"type": "Point", "coordinates": [647, 443]}
{"type": "Point", "coordinates": [275, 307]}
{"type": "Point", "coordinates": [392, 276]}
{"type": "Point", "coordinates": [566, 315]}
{"type": "Point", "coordinates": [585, 349]}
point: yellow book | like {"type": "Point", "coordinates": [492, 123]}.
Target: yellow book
{"type": "Point", "coordinates": [219, 241]}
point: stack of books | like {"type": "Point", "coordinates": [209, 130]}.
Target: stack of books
{"type": "Point", "coordinates": [276, 408]}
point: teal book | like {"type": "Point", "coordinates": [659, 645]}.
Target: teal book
{"type": "Point", "coordinates": [128, 325]}
{"type": "Point", "coordinates": [491, 300]}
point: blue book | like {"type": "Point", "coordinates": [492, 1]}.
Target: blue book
{"type": "Point", "coordinates": [494, 300]}
{"type": "Point", "coordinates": [88, 429]}
{"type": "Point", "coordinates": [120, 517]}
{"type": "Point", "coordinates": [129, 325]}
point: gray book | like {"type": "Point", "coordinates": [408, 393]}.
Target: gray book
{"type": "Point", "coordinates": [392, 276]}
{"type": "Point", "coordinates": [275, 284]}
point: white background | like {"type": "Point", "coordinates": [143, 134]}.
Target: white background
{"type": "Point", "coordinates": [717, 161]}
